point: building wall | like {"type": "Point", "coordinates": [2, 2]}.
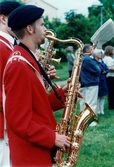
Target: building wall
{"type": "Point", "coordinates": [50, 10]}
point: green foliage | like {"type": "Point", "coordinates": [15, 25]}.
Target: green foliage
{"type": "Point", "coordinates": [79, 26]}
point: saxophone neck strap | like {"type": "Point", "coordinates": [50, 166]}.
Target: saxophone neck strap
{"type": "Point", "coordinates": [42, 72]}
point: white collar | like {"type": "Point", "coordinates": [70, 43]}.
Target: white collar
{"type": "Point", "coordinates": [34, 55]}
{"type": "Point", "coordinates": [7, 36]}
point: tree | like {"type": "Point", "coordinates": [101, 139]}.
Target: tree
{"type": "Point", "coordinates": [107, 11]}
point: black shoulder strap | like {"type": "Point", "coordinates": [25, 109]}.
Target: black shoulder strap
{"type": "Point", "coordinates": [43, 72]}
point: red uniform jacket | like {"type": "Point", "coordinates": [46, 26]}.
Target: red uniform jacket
{"type": "Point", "coordinates": [30, 120]}
{"type": "Point", "coordinates": [5, 51]}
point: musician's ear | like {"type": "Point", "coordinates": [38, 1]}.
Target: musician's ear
{"type": "Point", "coordinates": [30, 29]}
{"type": "Point", "coordinates": [3, 19]}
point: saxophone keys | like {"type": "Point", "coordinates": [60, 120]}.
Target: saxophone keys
{"type": "Point", "coordinates": [75, 146]}
{"type": "Point", "coordinates": [78, 133]}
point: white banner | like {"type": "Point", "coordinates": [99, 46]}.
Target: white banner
{"type": "Point", "coordinates": [104, 34]}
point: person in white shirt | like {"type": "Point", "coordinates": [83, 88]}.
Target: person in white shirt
{"type": "Point", "coordinates": [109, 61]}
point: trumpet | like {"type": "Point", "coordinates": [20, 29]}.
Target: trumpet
{"type": "Point", "coordinates": [57, 61]}
{"type": "Point", "coordinates": [46, 57]}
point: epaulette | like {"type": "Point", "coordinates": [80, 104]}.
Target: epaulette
{"type": "Point", "coordinates": [15, 56]}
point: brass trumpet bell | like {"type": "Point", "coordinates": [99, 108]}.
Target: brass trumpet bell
{"type": "Point", "coordinates": [56, 60]}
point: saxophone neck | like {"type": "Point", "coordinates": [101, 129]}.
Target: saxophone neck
{"type": "Point", "coordinates": [75, 41]}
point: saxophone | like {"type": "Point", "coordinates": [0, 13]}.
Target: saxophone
{"type": "Point", "coordinates": [73, 125]}
{"type": "Point", "coordinates": [49, 53]}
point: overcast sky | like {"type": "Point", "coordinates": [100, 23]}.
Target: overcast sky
{"type": "Point", "coordinates": [80, 6]}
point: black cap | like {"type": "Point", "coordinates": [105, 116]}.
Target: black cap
{"type": "Point", "coordinates": [24, 15]}
{"type": "Point", "coordinates": [8, 6]}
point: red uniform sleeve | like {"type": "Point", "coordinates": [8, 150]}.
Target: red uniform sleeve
{"type": "Point", "coordinates": [4, 54]}
{"type": "Point", "coordinates": [55, 103]}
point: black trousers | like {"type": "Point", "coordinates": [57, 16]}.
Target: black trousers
{"type": "Point", "coordinates": [70, 73]}
{"type": "Point", "coordinates": [110, 82]}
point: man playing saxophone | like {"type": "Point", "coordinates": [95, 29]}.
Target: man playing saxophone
{"type": "Point", "coordinates": [30, 124]}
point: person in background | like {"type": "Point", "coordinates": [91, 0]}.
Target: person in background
{"type": "Point", "coordinates": [103, 88]}
{"type": "Point", "coordinates": [70, 59]}
{"type": "Point", "coordinates": [31, 126]}
{"type": "Point", "coordinates": [109, 61]}
{"type": "Point", "coordinates": [89, 80]}
{"type": "Point", "coordinates": [6, 47]}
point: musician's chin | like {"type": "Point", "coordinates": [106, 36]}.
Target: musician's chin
{"type": "Point", "coordinates": [43, 41]}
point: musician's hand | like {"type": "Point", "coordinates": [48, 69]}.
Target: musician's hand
{"type": "Point", "coordinates": [79, 95]}
{"type": "Point", "coordinates": [67, 86]}
{"type": "Point", "coordinates": [62, 141]}
{"type": "Point", "coordinates": [51, 72]}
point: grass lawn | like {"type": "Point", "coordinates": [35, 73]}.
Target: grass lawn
{"type": "Point", "coordinates": [97, 148]}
